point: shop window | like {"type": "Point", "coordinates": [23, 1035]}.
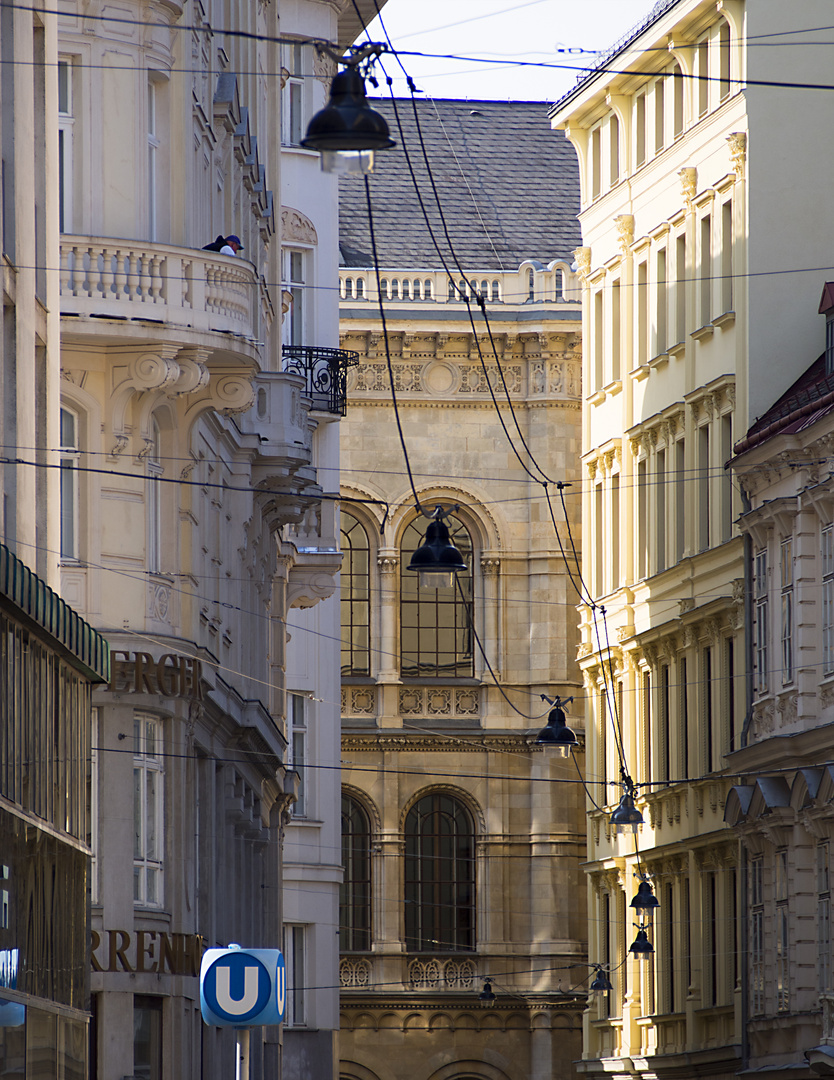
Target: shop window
{"type": "Point", "coordinates": [436, 624]}
{"type": "Point", "coordinates": [147, 1038]}
{"type": "Point", "coordinates": [295, 955]}
{"type": "Point", "coordinates": [439, 876]}
{"type": "Point", "coordinates": [355, 890]}
{"type": "Point", "coordinates": [355, 598]}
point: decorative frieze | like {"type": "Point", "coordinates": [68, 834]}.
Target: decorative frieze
{"type": "Point", "coordinates": [737, 141]}
{"type": "Point", "coordinates": [439, 701]}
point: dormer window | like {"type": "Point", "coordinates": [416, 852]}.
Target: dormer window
{"type": "Point", "coordinates": [826, 308]}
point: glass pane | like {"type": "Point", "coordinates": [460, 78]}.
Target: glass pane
{"type": "Point", "coordinates": [63, 88]}
{"type": "Point", "coordinates": [138, 852]}
{"type": "Point", "coordinates": [150, 816]}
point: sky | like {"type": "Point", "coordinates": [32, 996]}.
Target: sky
{"type": "Point", "coordinates": [549, 31]}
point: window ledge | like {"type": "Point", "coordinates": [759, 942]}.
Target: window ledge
{"type": "Point", "coordinates": [703, 333]}
{"type": "Point", "coordinates": [597, 398]}
{"type": "Point", "coordinates": [613, 388]}
{"type": "Point", "coordinates": [640, 373]}
{"type": "Point", "coordinates": [659, 361]}
{"type": "Point", "coordinates": [727, 319]}
{"type": "Point", "coordinates": [678, 349]}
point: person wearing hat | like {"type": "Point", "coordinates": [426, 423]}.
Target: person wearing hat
{"type": "Point", "coordinates": [229, 245]}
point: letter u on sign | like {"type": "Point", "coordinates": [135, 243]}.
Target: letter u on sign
{"type": "Point", "coordinates": [242, 987]}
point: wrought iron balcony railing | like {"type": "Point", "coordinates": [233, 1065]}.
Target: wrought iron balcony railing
{"type": "Point", "coordinates": [325, 373]}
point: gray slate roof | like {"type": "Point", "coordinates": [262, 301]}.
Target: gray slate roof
{"type": "Point", "coordinates": [523, 177]}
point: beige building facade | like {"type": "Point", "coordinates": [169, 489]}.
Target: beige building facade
{"type": "Point", "coordinates": [197, 456]}
{"type": "Point", "coordinates": [781, 808]}
{"type": "Point", "coordinates": [461, 840]}
{"type": "Point", "coordinates": [686, 137]}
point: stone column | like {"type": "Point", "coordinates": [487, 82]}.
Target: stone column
{"type": "Point", "coordinates": [490, 571]}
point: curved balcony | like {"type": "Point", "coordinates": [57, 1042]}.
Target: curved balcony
{"type": "Point", "coordinates": [180, 287]}
{"type": "Point", "coordinates": [324, 372]}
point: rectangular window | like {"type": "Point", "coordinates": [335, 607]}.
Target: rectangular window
{"type": "Point", "coordinates": [680, 498]}
{"type": "Point", "coordinates": [786, 576]}
{"type": "Point", "coordinates": [677, 83]}
{"type": "Point", "coordinates": [828, 599]}
{"type": "Point", "coordinates": [153, 463]}
{"type": "Point", "coordinates": [726, 480]}
{"type": "Point", "coordinates": [724, 60]}
{"type": "Point", "coordinates": [663, 766]}
{"type": "Point", "coordinates": [154, 144]}
{"type": "Point", "coordinates": [823, 917]}
{"type": "Point", "coordinates": [65, 136]}
{"type": "Point", "coordinates": [294, 126]}
{"type": "Point", "coordinates": [147, 1037]}
{"type": "Point", "coordinates": [298, 750]}
{"type": "Point", "coordinates": [727, 256]}
{"type": "Point", "coordinates": [668, 956]}
{"type": "Point", "coordinates": [683, 710]}
{"type": "Point", "coordinates": [730, 705]}
{"type": "Point", "coordinates": [615, 330]}
{"type": "Point", "coordinates": [756, 936]}
{"type": "Point", "coordinates": [702, 57]}
{"type": "Point", "coordinates": [92, 803]}
{"type": "Point", "coordinates": [614, 149]}
{"type": "Point", "coordinates": [829, 345]}
{"type": "Point", "coordinates": [646, 724]}
{"type": "Point", "coordinates": [782, 939]}
{"type": "Point", "coordinates": [711, 939]}
{"type": "Point", "coordinates": [703, 488]}
{"type": "Point", "coordinates": [69, 483]}
{"type": "Point", "coordinates": [659, 116]}
{"type": "Point", "coordinates": [614, 531]}
{"type": "Point", "coordinates": [605, 951]}
{"type": "Point", "coordinates": [295, 277]}
{"type": "Point", "coordinates": [599, 579]}
{"type": "Point", "coordinates": [660, 511]}
{"type": "Point", "coordinates": [640, 130]}
{"type": "Point", "coordinates": [148, 782]}
{"type": "Point", "coordinates": [706, 702]}
{"type": "Point", "coordinates": [642, 313]}
{"type": "Point", "coordinates": [760, 590]}
{"type": "Point", "coordinates": [706, 270]}
{"type": "Point", "coordinates": [642, 520]}
{"type": "Point", "coordinates": [598, 341]}
{"type": "Point", "coordinates": [661, 303]}
{"type": "Point", "coordinates": [295, 949]}
{"type": "Point", "coordinates": [680, 288]}
{"type": "Point", "coordinates": [596, 163]}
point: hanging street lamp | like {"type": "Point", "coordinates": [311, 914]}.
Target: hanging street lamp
{"type": "Point", "coordinates": [437, 560]}
{"type": "Point", "coordinates": [347, 122]}
{"type": "Point", "coordinates": [556, 735]}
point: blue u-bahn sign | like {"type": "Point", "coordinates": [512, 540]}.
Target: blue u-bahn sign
{"type": "Point", "coordinates": [243, 987]}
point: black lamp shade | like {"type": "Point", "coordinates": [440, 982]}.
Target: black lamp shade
{"type": "Point", "coordinates": [556, 735]}
{"type": "Point", "coordinates": [641, 947]}
{"type": "Point", "coordinates": [437, 560]}
{"type": "Point", "coordinates": [645, 900]}
{"type": "Point", "coordinates": [347, 122]}
{"type": "Point", "coordinates": [626, 818]}
{"type": "Point", "coordinates": [486, 996]}
{"type": "Point", "coordinates": [601, 983]}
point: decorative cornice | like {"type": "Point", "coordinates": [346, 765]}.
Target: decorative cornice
{"type": "Point", "coordinates": [458, 741]}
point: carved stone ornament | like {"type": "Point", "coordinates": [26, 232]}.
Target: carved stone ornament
{"type": "Point", "coordinates": [689, 185]}
{"type": "Point", "coordinates": [737, 141]}
{"type": "Point", "coordinates": [297, 227]}
{"type": "Point", "coordinates": [490, 567]}
{"type": "Point", "coordinates": [625, 231]}
{"type": "Point", "coordinates": [583, 261]}
{"type": "Point", "coordinates": [388, 564]}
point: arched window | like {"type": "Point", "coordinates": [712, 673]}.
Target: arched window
{"type": "Point", "coordinates": [439, 876]}
{"type": "Point", "coordinates": [356, 607]}
{"type": "Point", "coordinates": [69, 484]}
{"type": "Point", "coordinates": [436, 624]}
{"type": "Point", "coordinates": [355, 890]}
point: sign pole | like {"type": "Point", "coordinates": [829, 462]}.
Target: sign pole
{"type": "Point", "coordinates": [242, 1054]}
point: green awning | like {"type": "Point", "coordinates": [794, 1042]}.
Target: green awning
{"type": "Point", "coordinates": [88, 650]}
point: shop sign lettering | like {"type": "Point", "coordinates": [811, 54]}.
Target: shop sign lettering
{"type": "Point", "coordinates": [171, 675]}
{"type": "Point", "coordinates": [147, 950]}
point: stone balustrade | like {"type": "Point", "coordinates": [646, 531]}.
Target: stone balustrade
{"type": "Point", "coordinates": [181, 287]}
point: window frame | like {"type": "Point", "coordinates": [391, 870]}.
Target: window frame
{"type": "Point", "coordinates": [355, 933]}
{"type": "Point", "coordinates": [451, 908]}
{"type": "Point", "coordinates": [148, 854]}
{"type": "Point", "coordinates": [460, 598]}
{"type": "Point", "coordinates": [355, 599]}
{"type": "Point", "coordinates": [69, 459]}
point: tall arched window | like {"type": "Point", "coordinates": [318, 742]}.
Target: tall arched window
{"type": "Point", "coordinates": [436, 624]}
{"type": "Point", "coordinates": [439, 876]}
{"type": "Point", "coordinates": [356, 609]}
{"type": "Point", "coordinates": [355, 890]}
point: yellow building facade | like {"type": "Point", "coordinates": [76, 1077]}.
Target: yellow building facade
{"type": "Point", "coordinates": [691, 325]}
